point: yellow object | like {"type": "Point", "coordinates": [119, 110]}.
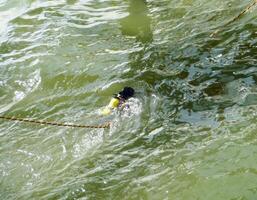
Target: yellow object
{"type": "Point", "coordinates": [106, 111]}
{"type": "Point", "coordinates": [114, 103]}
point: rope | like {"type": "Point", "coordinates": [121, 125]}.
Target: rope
{"type": "Point", "coordinates": [237, 17]}
{"type": "Point", "coordinates": [107, 125]}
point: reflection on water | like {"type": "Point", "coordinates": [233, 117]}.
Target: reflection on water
{"type": "Point", "coordinates": [71, 1]}
{"type": "Point", "coordinates": [191, 130]}
{"type": "Point", "coordinates": [137, 23]}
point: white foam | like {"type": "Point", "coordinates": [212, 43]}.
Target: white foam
{"type": "Point", "coordinates": [132, 107]}
{"type": "Point", "coordinates": [88, 142]}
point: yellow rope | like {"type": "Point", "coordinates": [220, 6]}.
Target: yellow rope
{"type": "Point", "coordinates": [107, 125]}
{"type": "Point", "coordinates": [237, 17]}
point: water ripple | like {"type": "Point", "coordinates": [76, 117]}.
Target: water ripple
{"type": "Point", "coordinates": [191, 125]}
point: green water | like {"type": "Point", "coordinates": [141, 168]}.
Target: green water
{"type": "Point", "coordinates": [190, 133]}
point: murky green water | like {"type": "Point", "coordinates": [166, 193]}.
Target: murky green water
{"type": "Point", "coordinates": [191, 130]}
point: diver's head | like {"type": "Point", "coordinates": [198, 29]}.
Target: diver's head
{"type": "Point", "coordinates": [127, 92]}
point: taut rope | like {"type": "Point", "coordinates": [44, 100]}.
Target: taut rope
{"type": "Point", "coordinates": [237, 17]}
{"type": "Point", "coordinates": [107, 125]}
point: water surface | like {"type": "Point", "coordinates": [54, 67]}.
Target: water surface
{"type": "Point", "coordinates": [191, 130]}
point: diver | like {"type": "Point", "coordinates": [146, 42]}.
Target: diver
{"type": "Point", "coordinates": [119, 100]}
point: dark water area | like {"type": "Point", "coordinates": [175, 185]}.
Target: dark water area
{"type": "Point", "coordinates": [190, 132]}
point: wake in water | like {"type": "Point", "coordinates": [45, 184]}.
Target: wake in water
{"type": "Point", "coordinates": [129, 117]}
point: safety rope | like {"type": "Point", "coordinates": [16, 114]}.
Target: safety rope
{"type": "Point", "coordinates": [107, 125]}
{"type": "Point", "coordinates": [236, 18]}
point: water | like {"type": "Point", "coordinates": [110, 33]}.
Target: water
{"type": "Point", "coordinates": [191, 130]}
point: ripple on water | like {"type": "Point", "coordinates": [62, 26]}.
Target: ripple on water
{"type": "Point", "coordinates": [21, 88]}
{"type": "Point", "coordinates": [190, 130]}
